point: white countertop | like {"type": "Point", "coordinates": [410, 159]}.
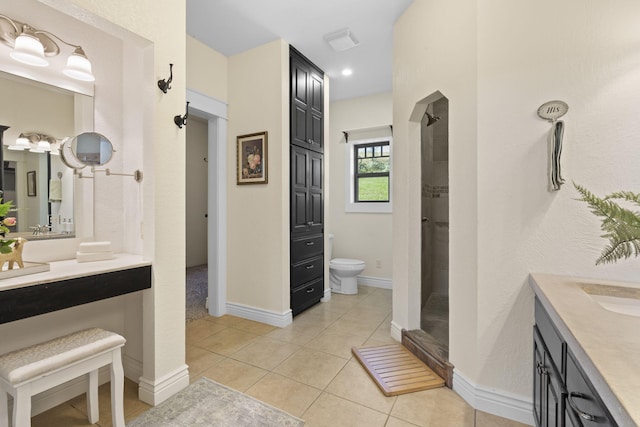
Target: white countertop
{"type": "Point", "coordinates": [69, 269]}
{"type": "Point", "coordinates": [606, 344]}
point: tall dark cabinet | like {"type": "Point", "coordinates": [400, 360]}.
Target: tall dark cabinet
{"type": "Point", "coordinates": [307, 182]}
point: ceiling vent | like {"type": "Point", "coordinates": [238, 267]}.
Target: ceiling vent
{"type": "Point", "coordinates": [341, 40]}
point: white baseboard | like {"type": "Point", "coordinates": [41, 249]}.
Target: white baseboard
{"type": "Point", "coordinates": [375, 282]}
{"type": "Point", "coordinates": [396, 331]}
{"type": "Point", "coordinates": [53, 397]}
{"type": "Point", "coordinates": [260, 315]}
{"type": "Point", "coordinates": [157, 391]}
{"type": "Point", "coordinates": [326, 296]}
{"type": "Point", "coordinates": [496, 402]}
{"type": "Point", "coordinates": [132, 368]}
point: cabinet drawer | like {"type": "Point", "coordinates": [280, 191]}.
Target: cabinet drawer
{"type": "Point", "coordinates": [306, 295]}
{"type": "Point", "coordinates": [306, 247]}
{"type": "Point", "coordinates": [554, 343]}
{"type": "Point", "coordinates": [583, 403]}
{"type": "Point", "coordinates": [306, 270]}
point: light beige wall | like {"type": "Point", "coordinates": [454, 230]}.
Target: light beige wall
{"type": "Point", "coordinates": [258, 215]}
{"type": "Point", "coordinates": [594, 66]}
{"type": "Point", "coordinates": [435, 50]}
{"type": "Point", "coordinates": [206, 70]}
{"type": "Point", "coordinates": [357, 235]}
{"type": "Point", "coordinates": [129, 53]}
{"type": "Point", "coordinates": [156, 142]}
{"type": "Point", "coordinates": [497, 62]}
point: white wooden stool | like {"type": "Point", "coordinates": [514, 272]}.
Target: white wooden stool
{"type": "Point", "coordinates": [29, 371]}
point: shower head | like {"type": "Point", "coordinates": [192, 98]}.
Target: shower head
{"type": "Point", "coordinates": [431, 119]}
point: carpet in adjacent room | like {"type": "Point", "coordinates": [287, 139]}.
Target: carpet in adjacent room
{"type": "Point", "coordinates": [197, 291]}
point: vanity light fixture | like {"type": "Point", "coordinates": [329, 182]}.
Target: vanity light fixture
{"type": "Point", "coordinates": [182, 120]}
{"type": "Point", "coordinates": [36, 143]}
{"type": "Point", "coordinates": [165, 85]}
{"type": "Point", "coordinates": [31, 46]}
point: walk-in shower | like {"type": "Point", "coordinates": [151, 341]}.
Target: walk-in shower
{"type": "Point", "coordinates": [435, 223]}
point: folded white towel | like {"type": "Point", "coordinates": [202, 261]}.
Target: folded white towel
{"type": "Point", "coordinates": [55, 190]}
{"type": "Point", "coordinates": [92, 247]}
{"type": "Point", "coordinates": [93, 256]}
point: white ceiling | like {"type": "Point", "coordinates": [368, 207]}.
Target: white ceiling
{"type": "Point", "coordinates": [233, 26]}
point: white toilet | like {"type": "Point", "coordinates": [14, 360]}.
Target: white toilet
{"type": "Point", "coordinates": [344, 272]}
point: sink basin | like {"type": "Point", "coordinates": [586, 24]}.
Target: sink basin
{"type": "Point", "coordinates": [618, 299]}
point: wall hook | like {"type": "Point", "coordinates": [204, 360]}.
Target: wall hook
{"type": "Point", "coordinates": [165, 85]}
{"type": "Point", "coordinates": [182, 120]}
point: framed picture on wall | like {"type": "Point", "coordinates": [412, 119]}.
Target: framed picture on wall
{"type": "Point", "coordinates": [31, 183]}
{"type": "Point", "coordinates": [252, 158]}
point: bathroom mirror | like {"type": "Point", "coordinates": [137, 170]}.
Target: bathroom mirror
{"type": "Point", "coordinates": [40, 185]}
{"type": "Point", "coordinates": [87, 149]}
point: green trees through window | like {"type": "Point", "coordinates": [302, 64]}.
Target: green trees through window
{"type": "Point", "coordinates": [371, 177]}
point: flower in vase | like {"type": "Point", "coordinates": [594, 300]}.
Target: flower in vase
{"type": "Point", "coordinates": [5, 244]}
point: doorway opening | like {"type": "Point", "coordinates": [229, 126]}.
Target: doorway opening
{"type": "Point", "coordinates": [206, 239]}
{"type": "Point", "coordinates": [196, 218]}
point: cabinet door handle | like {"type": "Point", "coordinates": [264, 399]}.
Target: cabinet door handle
{"type": "Point", "coordinates": [310, 290]}
{"type": "Point", "coordinates": [541, 369]}
{"type": "Point", "coordinates": [310, 141]}
{"type": "Point", "coordinates": [310, 266]}
{"type": "Point", "coordinates": [310, 243]}
{"type": "Point", "coordinates": [310, 223]}
{"type": "Point", "coordinates": [583, 415]}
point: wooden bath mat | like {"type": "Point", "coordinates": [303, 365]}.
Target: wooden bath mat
{"type": "Point", "coordinates": [396, 370]}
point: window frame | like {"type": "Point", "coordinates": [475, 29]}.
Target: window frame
{"type": "Point", "coordinates": [350, 178]}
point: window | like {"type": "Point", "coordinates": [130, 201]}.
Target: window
{"type": "Point", "coordinates": [369, 176]}
{"type": "Point", "coordinates": [371, 172]}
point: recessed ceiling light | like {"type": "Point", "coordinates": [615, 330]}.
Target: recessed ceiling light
{"type": "Point", "coordinates": [341, 40]}
{"type": "Point", "coordinates": [347, 72]}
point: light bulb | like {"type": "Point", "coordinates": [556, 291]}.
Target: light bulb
{"type": "Point", "coordinates": [28, 49]}
{"type": "Point", "coordinates": [79, 66]}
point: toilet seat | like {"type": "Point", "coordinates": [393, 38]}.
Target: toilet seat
{"type": "Point", "coordinates": [346, 264]}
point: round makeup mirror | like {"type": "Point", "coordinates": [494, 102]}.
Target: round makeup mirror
{"type": "Point", "coordinates": [87, 149]}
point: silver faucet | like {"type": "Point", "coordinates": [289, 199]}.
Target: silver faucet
{"type": "Point", "coordinates": [40, 229]}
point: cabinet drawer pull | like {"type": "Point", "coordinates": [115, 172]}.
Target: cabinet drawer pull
{"type": "Point", "coordinates": [310, 266]}
{"type": "Point", "coordinates": [541, 369]}
{"type": "Point", "coordinates": [310, 243]}
{"type": "Point", "coordinates": [310, 290]}
{"type": "Point", "coordinates": [573, 405]}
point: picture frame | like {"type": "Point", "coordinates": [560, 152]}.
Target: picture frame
{"type": "Point", "coordinates": [31, 183]}
{"type": "Point", "coordinates": [252, 166]}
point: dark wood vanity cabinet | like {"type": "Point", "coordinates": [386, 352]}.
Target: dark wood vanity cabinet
{"type": "Point", "coordinates": [548, 399]}
{"type": "Point", "coordinates": [584, 407]}
{"type": "Point", "coordinates": [33, 300]}
{"type": "Point", "coordinates": [562, 393]}
{"type": "Point", "coordinates": [306, 183]}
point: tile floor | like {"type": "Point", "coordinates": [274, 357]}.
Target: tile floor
{"type": "Point", "coordinates": [305, 369]}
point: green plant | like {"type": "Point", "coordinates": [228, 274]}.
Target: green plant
{"type": "Point", "coordinates": [620, 224]}
{"type": "Point", "coordinates": [5, 244]}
